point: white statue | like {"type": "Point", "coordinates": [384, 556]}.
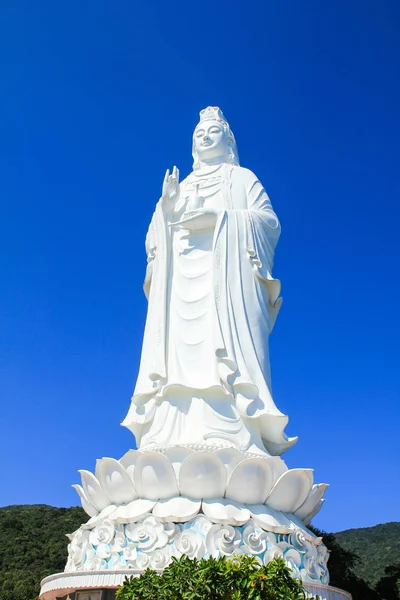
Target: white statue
{"type": "Point", "coordinates": [204, 376]}
{"type": "Point", "coordinates": [203, 481]}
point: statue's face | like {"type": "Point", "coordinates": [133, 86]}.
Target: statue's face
{"type": "Point", "coordinates": [210, 141]}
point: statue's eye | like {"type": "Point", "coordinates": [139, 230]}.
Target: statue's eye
{"type": "Point", "coordinates": [215, 130]}
{"type": "Point", "coordinates": [200, 133]}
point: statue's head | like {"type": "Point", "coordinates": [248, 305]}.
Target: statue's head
{"type": "Point", "coordinates": [213, 140]}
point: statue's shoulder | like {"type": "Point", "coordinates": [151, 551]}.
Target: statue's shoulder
{"type": "Point", "coordinates": [187, 180]}
{"type": "Point", "coordinates": [243, 175]}
{"type": "Point", "coordinates": [188, 177]}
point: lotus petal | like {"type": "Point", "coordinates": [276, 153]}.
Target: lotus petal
{"type": "Point", "coordinates": [115, 481]}
{"type": "Point", "coordinates": [269, 519]}
{"type": "Point", "coordinates": [178, 510]}
{"type": "Point", "coordinates": [316, 510]}
{"type": "Point", "coordinates": [94, 493]}
{"type": "Point", "coordinates": [251, 481]}
{"type": "Point", "coordinates": [230, 458]}
{"type": "Point", "coordinates": [155, 476]}
{"type": "Point", "coordinates": [176, 456]}
{"type": "Point", "coordinates": [313, 498]}
{"type": "Point", "coordinates": [291, 490]}
{"type": "Point", "coordinates": [278, 466]}
{"type": "Point", "coordinates": [86, 505]}
{"type": "Point", "coordinates": [99, 518]}
{"type": "Point", "coordinates": [132, 512]}
{"type": "Point", "coordinates": [128, 461]}
{"type": "Point", "coordinates": [202, 475]}
{"type": "Point", "coordinates": [226, 512]}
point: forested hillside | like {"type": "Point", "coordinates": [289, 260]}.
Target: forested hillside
{"type": "Point", "coordinates": [33, 545]}
{"type": "Point", "coordinates": [377, 547]}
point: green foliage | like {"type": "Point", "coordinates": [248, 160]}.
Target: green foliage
{"type": "Point", "coordinates": [377, 548]}
{"type": "Point", "coordinates": [241, 578]}
{"type": "Point", "coordinates": [32, 546]}
{"type": "Point", "coordinates": [388, 586]}
{"type": "Point", "coordinates": [345, 564]}
{"type": "Point", "coordinates": [342, 565]}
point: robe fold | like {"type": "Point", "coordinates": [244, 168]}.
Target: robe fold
{"type": "Point", "coordinates": [204, 377]}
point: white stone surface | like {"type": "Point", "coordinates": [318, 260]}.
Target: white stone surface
{"type": "Point", "coordinates": [173, 484]}
{"type": "Point", "coordinates": [153, 542]}
{"type": "Point", "coordinates": [212, 302]}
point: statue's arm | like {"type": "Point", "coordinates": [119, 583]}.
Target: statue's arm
{"type": "Point", "coordinates": [258, 202]}
{"type": "Point", "coordinates": [263, 231]}
{"type": "Point", "coordinates": [262, 224]}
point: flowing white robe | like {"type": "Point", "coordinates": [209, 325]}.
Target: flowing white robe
{"type": "Point", "coordinates": [204, 376]}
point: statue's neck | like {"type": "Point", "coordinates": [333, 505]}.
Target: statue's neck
{"type": "Point", "coordinates": [212, 162]}
{"type": "Point", "coordinates": [205, 170]}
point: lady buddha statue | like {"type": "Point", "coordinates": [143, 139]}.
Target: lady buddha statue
{"type": "Point", "coordinates": [204, 378]}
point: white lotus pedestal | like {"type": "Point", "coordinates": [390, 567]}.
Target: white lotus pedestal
{"type": "Point", "coordinates": [151, 506]}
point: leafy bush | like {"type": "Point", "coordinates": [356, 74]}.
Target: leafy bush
{"type": "Point", "coordinates": [241, 578]}
{"type": "Point", "coordinates": [389, 585]}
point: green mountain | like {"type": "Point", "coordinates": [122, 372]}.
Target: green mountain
{"type": "Point", "coordinates": [377, 547]}
{"type": "Point", "coordinates": [33, 545]}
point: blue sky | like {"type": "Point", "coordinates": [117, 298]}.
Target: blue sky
{"type": "Point", "coordinates": [99, 98]}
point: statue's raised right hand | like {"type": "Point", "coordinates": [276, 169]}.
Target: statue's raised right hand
{"type": "Point", "coordinates": [170, 189]}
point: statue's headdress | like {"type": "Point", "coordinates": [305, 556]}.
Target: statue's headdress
{"type": "Point", "coordinates": [213, 113]}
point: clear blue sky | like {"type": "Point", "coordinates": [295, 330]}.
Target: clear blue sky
{"type": "Point", "coordinates": [98, 99]}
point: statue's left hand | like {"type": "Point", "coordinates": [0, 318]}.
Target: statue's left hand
{"type": "Point", "coordinates": [196, 220]}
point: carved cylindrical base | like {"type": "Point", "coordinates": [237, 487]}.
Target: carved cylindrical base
{"type": "Point", "coordinates": [102, 585]}
{"type": "Point", "coordinates": [151, 543]}
{"type": "Point", "coordinates": [101, 557]}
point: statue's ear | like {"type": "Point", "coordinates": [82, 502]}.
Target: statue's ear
{"type": "Point", "coordinates": [231, 153]}
{"type": "Point", "coordinates": [195, 158]}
